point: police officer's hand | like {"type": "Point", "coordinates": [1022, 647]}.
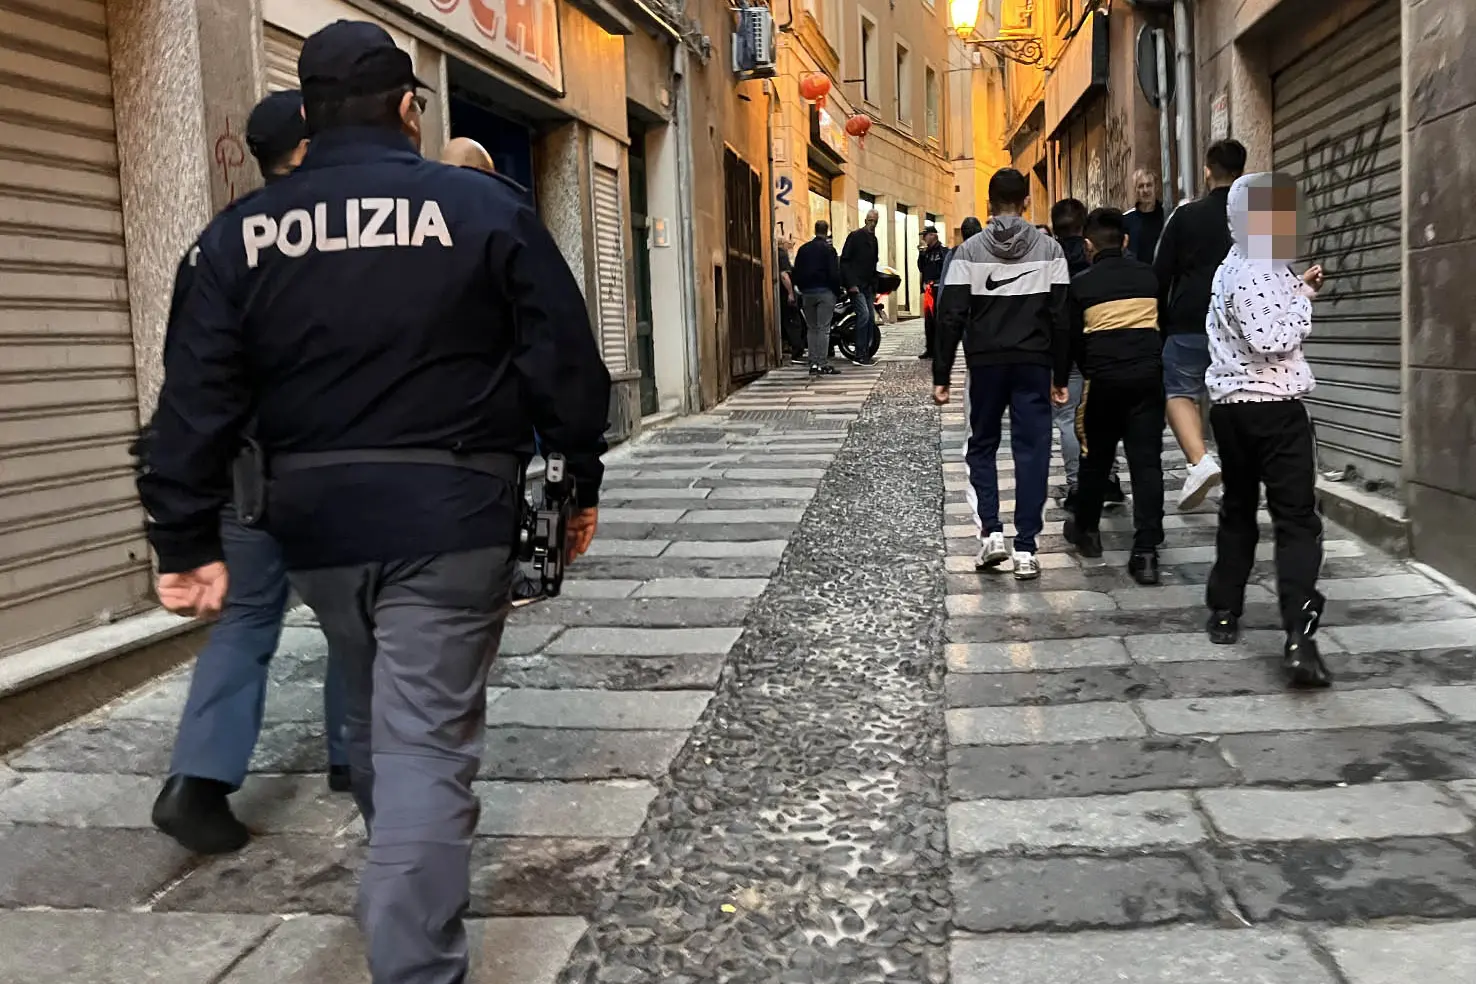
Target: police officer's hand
{"type": "Point", "coordinates": [582, 526]}
{"type": "Point", "coordinates": [200, 592]}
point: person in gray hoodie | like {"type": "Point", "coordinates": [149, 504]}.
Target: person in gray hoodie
{"type": "Point", "coordinates": [1004, 297]}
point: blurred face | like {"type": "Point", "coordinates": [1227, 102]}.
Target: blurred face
{"type": "Point", "coordinates": [1271, 222]}
{"type": "Point", "coordinates": [872, 218]}
{"type": "Point", "coordinates": [1147, 190]}
{"type": "Point", "coordinates": [930, 239]}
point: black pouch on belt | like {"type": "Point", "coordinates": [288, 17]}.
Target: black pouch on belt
{"type": "Point", "coordinates": [249, 485]}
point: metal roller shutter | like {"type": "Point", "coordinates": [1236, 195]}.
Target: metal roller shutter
{"type": "Point", "coordinates": [72, 550]}
{"type": "Point", "coordinates": [281, 49]}
{"type": "Point", "coordinates": [1336, 120]}
{"type": "Point", "coordinates": [609, 233]}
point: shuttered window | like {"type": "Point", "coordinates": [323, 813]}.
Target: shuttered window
{"type": "Point", "coordinates": [72, 550]}
{"type": "Point", "coordinates": [1336, 127]}
{"type": "Point", "coordinates": [609, 230]}
{"type": "Point", "coordinates": [281, 50]}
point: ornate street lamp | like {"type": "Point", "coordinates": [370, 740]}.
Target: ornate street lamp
{"type": "Point", "coordinates": [1020, 48]}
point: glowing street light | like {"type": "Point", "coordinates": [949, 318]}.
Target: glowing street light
{"type": "Point", "coordinates": [965, 17]}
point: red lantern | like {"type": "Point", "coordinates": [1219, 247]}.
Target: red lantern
{"type": "Point", "coordinates": [814, 87]}
{"type": "Point", "coordinates": [858, 125]}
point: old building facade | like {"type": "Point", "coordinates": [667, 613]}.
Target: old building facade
{"type": "Point", "coordinates": [891, 63]}
{"type": "Point", "coordinates": [1370, 104]}
{"type": "Point", "coordinates": [121, 133]}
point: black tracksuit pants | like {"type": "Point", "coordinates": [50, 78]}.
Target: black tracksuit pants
{"type": "Point", "coordinates": [1269, 444]}
{"type": "Point", "coordinates": [1131, 413]}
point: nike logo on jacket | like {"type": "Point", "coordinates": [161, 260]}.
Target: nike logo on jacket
{"type": "Point", "coordinates": [1004, 297]}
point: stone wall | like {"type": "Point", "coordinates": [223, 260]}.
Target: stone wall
{"type": "Point", "coordinates": [1440, 284]}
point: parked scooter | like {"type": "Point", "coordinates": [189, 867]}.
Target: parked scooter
{"type": "Point", "coordinates": [843, 321]}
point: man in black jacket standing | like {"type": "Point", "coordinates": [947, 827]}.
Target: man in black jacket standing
{"type": "Point", "coordinates": [1194, 243]}
{"type": "Point", "coordinates": [396, 329]}
{"type": "Point", "coordinates": [930, 271]}
{"type": "Point", "coordinates": [858, 262]}
{"type": "Point", "coordinates": [817, 278]}
{"type": "Point", "coordinates": [1145, 219]}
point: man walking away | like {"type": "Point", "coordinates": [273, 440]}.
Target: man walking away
{"type": "Point", "coordinates": [858, 261]}
{"type": "Point", "coordinates": [1068, 221]}
{"type": "Point", "coordinates": [817, 277]}
{"type": "Point", "coordinates": [1145, 220]}
{"type": "Point", "coordinates": [395, 499]}
{"type": "Point", "coordinates": [1260, 314]}
{"type": "Point", "coordinates": [790, 323]}
{"type": "Point", "coordinates": [223, 712]}
{"type": "Point", "coordinates": [1114, 336]}
{"type": "Point", "coordinates": [1194, 242]}
{"type": "Point", "coordinates": [930, 272]}
{"type": "Point", "coordinates": [1005, 298]}
{"type": "Point", "coordinates": [967, 229]}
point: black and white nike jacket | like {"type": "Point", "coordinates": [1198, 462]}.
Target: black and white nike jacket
{"type": "Point", "coordinates": [1004, 297]}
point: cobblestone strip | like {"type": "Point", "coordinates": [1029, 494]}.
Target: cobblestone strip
{"type": "Point", "coordinates": [594, 697]}
{"type": "Point", "coordinates": [800, 836]}
{"type": "Point", "coordinates": [1130, 801]}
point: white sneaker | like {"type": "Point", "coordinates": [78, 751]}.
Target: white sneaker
{"type": "Point", "coordinates": [1202, 479]}
{"type": "Point", "coordinates": [1027, 566]}
{"type": "Point", "coordinates": [993, 553]}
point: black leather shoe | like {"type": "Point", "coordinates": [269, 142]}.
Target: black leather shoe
{"type": "Point", "coordinates": [1143, 567]}
{"type": "Point", "coordinates": [1114, 496]}
{"type": "Point", "coordinates": [1088, 543]}
{"type": "Point", "coordinates": [339, 780]}
{"type": "Point", "coordinates": [1301, 660]}
{"type": "Point", "coordinates": [1069, 503]}
{"type": "Point", "coordinates": [197, 813]}
{"type": "Point", "coordinates": [1223, 628]}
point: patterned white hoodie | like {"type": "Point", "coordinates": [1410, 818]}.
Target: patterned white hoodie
{"type": "Point", "coordinates": [1259, 315]}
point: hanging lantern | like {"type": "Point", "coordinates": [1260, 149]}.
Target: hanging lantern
{"type": "Point", "coordinates": [965, 17]}
{"type": "Point", "coordinates": [814, 87]}
{"type": "Point", "coordinates": [858, 125]}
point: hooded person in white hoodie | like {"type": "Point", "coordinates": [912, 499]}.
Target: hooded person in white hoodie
{"type": "Point", "coordinates": [1260, 313]}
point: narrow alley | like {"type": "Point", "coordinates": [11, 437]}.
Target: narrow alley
{"type": "Point", "coordinates": [779, 730]}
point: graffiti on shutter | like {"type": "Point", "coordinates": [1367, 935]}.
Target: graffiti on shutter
{"type": "Point", "coordinates": [610, 267]}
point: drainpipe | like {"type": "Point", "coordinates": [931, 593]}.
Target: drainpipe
{"type": "Point", "coordinates": [771, 95]}
{"type": "Point", "coordinates": [687, 227]}
{"type": "Point", "coordinates": [1184, 66]}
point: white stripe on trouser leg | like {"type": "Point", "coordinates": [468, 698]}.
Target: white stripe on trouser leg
{"type": "Point", "coordinates": [969, 493]}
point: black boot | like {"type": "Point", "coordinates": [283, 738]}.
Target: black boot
{"type": "Point", "coordinates": [339, 780]}
{"type": "Point", "coordinates": [1114, 496]}
{"type": "Point", "coordinates": [1223, 628]}
{"type": "Point", "coordinates": [1301, 661]}
{"type": "Point", "coordinates": [197, 814]}
{"type": "Point", "coordinates": [1088, 543]}
{"type": "Point", "coordinates": [1143, 567]}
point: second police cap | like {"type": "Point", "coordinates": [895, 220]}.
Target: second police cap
{"type": "Point", "coordinates": [275, 125]}
{"type": "Point", "coordinates": [354, 58]}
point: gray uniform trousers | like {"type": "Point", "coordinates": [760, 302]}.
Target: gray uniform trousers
{"type": "Point", "coordinates": [417, 639]}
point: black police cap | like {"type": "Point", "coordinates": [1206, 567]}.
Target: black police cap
{"type": "Point", "coordinates": [276, 126]}
{"type": "Point", "coordinates": [353, 58]}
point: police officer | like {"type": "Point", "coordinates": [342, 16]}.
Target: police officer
{"type": "Point", "coordinates": [397, 328]}
{"type": "Point", "coordinates": [222, 716]}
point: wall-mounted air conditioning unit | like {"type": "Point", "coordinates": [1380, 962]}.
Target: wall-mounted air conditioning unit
{"type": "Point", "coordinates": [754, 55]}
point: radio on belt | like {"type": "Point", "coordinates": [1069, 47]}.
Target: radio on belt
{"type": "Point", "coordinates": [546, 526]}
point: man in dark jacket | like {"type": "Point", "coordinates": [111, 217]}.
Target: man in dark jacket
{"type": "Point", "coordinates": [967, 229]}
{"type": "Point", "coordinates": [1144, 222]}
{"type": "Point", "coordinates": [817, 278]}
{"type": "Point", "coordinates": [1194, 243]}
{"type": "Point", "coordinates": [858, 261]}
{"type": "Point", "coordinates": [930, 271]}
{"type": "Point", "coordinates": [1005, 299]}
{"type": "Point", "coordinates": [1115, 345]}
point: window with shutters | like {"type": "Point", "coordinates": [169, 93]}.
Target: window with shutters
{"type": "Point", "coordinates": [281, 49]}
{"type": "Point", "coordinates": [609, 229]}
{"type": "Point", "coordinates": [934, 97]}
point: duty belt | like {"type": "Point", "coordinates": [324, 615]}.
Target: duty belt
{"type": "Point", "coordinates": [508, 467]}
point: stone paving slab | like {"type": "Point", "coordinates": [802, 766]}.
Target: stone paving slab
{"type": "Point", "coordinates": [615, 808]}
{"type": "Point", "coordinates": [1457, 703]}
{"type": "Point", "coordinates": [1355, 813]}
{"type": "Point", "coordinates": [55, 947]}
{"type": "Point", "coordinates": [1037, 725]}
{"type": "Point", "coordinates": [1118, 823]}
{"type": "Point", "coordinates": [1434, 954]}
{"type": "Point", "coordinates": [1049, 654]}
{"type": "Point", "coordinates": [643, 642]}
{"type": "Point", "coordinates": [1282, 712]}
{"type": "Point", "coordinates": [1172, 956]}
{"type": "Point", "coordinates": [627, 711]}
{"type": "Point", "coordinates": [575, 754]}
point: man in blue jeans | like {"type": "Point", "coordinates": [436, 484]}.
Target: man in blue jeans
{"type": "Point", "coordinates": [223, 713]}
{"type": "Point", "coordinates": [1004, 296]}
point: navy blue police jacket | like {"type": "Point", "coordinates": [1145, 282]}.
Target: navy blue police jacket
{"type": "Point", "coordinates": [371, 300]}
